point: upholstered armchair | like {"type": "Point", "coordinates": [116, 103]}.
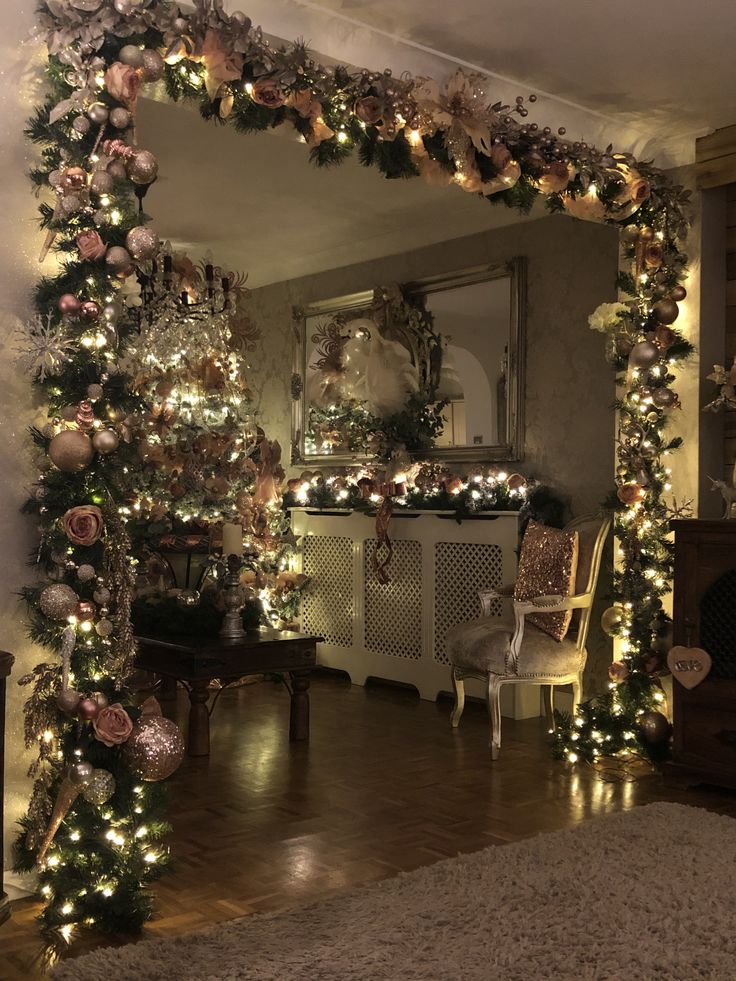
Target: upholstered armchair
{"type": "Point", "coordinates": [512, 650]}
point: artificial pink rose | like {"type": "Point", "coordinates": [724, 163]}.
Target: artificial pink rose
{"type": "Point", "coordinates": [90, 245]}
{"type": "Point", "coordinates": [500, 156]}
{"type": "Point", "coordinates": [112, 725]}
{"type": "Point", "coordinates": [83, 524]}
{"type": "Point", "coordinates": [618, 672]}
{"type": "Point", "coordinates": [122, 82]}
{"type": "Point", "coordinates": [639, 191]}
{"type": "Point", "coordinates": [369, 110]}
{"type": "Point", "coordinates": [267, 92]}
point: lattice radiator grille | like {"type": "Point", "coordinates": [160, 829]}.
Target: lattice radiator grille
{"type": "Point", "coordinates": [327, 607]}
{"type": "Point", "coordinates": [461, 570]}
{"type": "Point", "coordinates": [393, 613]}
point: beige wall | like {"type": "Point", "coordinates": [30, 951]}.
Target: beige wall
{"type": "Point", "coordinates": [571, 269]}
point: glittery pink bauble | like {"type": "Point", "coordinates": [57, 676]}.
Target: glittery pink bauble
{"type": "Point", "coordinates": [90, 311]}
{"type": "Point", "coordinates": [155, 748]}
{"type": "Point", "coordinates": [69, 305]}
{"type": "Point", "coordinates": [88, 709]}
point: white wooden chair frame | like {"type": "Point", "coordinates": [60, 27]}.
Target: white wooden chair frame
{"type": "Point", "coordinates": [539, 604]}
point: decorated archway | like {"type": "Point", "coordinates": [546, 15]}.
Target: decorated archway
{"type": "Point", "coordinates": [86, 335]}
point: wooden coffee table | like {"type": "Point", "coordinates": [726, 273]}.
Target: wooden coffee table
{"type": "Point", "coordinates": [197, 661]}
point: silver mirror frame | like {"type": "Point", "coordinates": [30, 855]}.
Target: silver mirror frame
{"type": "Point", "coordinates": [511, 451]}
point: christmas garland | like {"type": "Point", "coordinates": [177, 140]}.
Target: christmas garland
{"type": "Point", "coordinates": [96, 869]}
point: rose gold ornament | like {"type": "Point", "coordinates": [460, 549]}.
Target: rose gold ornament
{"type": "Point", "coordinates": [68, 701]}
{"type": "Point", "coordinates": [143, 168]}
{"type": "Point", "coordinates": [664, 337]}
{"type": "Point", "coordinates": [664, 398]}
{"type": "Point", "coordinates": [515, 481]}
{"type": "Point", "coordinates": [69, 305]}
{"type": "Point", "coordinates": [119, 261]}
{"type": "Point", "coordinates": [85, 416]}
{"type": "Point", "coordinates": [65, 797]}
{"type": "Point", "coordinates": [155, 748]}
{"type": "Point", "coordinates": [86, 610]}
{"type": "Point", "coordinates": [87, 709]}
{"type": "Point", "coordinates": [142, 242]}
{"type": "Point", "coordinates": [71, 451]}
{"type": "Point", "coordinates": [666, 311]}
{"type": "Point", "coordinates": [644, 355]}
{"type": "Point", "coordinates": [90, 311]}
{"type": "Point", "coordinates": [73, 179]}
{"type": "Point", "coordinates": [58, 601]}
{"type": "Point", "coordinates": [153, 66]}
{"type": "Point", "coordinates": [678, 293]}
{"type": "Point", "coordinates": [630, 493]}
{"type": "Point", "coordinates": [105, 441]}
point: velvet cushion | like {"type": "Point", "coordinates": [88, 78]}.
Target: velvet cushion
{"type": "Point", "coordinates": [547, 566]}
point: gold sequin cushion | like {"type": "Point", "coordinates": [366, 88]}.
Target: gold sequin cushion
{"type": "Point", "coordinates": [547, 566]}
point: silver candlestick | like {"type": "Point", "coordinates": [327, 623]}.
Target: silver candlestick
{"type": "Point", "coordinates": [232, 624]}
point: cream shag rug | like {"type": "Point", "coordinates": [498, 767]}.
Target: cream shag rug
{"type": "Point", "coordinates": [646, 894]}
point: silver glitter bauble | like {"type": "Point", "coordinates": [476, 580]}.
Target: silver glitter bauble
{"type": "Point", "coordinates": [124, 7]}
{"type": "Point", "coordinates": [142, 242]}
{"type": "Point", "coordinates": [58, 601]}
{"type": "Point", "coordinates": [120, 118]}
{"type": "Point", "coordinates": [102, 596]}
{"type": "Point", "coordinates": [102, 182]}
{"type": "Point", "coordinates": [81, 772]}
{"type": "Point", "coordinates": [119, 261]}
{"type": "Point", "coordinates": [98, 113]}
{"type": "Point", "coordinates": [153, 66]}
{"type": "Point", "coordinates": [105, 441]}
{"type": "Point", "coordinates": [68, 700]}
{"type": "Point", "coordinates": [131, 54]}
{"type": "Point", "coordinates": [143, 168]}
{"type": "Point", "coordinates": [104, 627]}
{"type": "Point", "coordinates": [81, 125]}
{"type": "Point", "coordinates": [644, 355]}
{"type": "Point", "coordinates": [71, 204]}
{"type": "Point", "coordinates": [94, 391]}
{"type": "Point", "coordinates": [99, 788]}
{"type": "Point", "coordinates": [155, 748]}
{"type": "Point", "coordinates": [86, 572]}
{"type": "Point", "coordinates": [71, 451]}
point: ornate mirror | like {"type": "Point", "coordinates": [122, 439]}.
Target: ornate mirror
{"type": "Point", "coordinates": [436, 364]}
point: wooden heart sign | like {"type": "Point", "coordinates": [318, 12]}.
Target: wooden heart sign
{"type": "Point", "coordinates": [690, 665]}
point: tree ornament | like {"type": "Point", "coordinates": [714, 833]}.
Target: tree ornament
{"type": "Point", "coordinates": [104, 627]}
{"type": "Point", "coordinates": [85, 416]}
{"type": "Point", "coordinates": [86, 572]}
{"type": "Point", "coordinates": [124, 7]}
{"type": "Point", "coordinates": [153, 66]}
{"type": "Point", "coordinates": [611, 620]}
{"type": "Point", "coordinates": [618, 671]}
{"type": "Point", "coordinates": [119, 262]}
{"type": "Point", "coordinates": [116, 168]}
{"type": "Point", "coordinates": [644, 355]}
{"type": "Point", "coordinates": [143, 167]}
{"type": "Point", "coordinates": [630, 493]}
{"type": "Point", "coordinates": [58, 601]}
{"type": "Point", "coordinates": [86, 610]}
{"type": "Point", "coordinates": [664, 398]}
{"type": "Point", "coordinates": [80, 772]}
{"type": "Point", "coordinates": [65, 797]}
{"type": "Point", "coordinates": [121, 119]}
{"type": "Point", "coordinates": [90, 311]}
{"type": "Point", "coordinates": [155, 748]}
{"type": "Point", "coordinates": [81, 125]}
{"type": "Point", "coordinates": [83, 524]}
{"type": "Point", "coordinates": [646, 234]}
{"type": "Point", "coordinates": [68, 701]}
{"type": "Point", "coordinates": [94, 392]}
{"type": "Point", "coordinates": [102, 596]}
{"type": "Point", "coordinates": [98, 113]}
{"type": "Point", "coordinates": [69, 305]}
{"type": "Point", "coordinates": [678, 293]}
{"type": "Point", "coordinates": [664, 337]}
{"type": "Point", "coordinates": [99, 788]}
{"type": "Point", "coordinates": [101, 182]}
{"type": "Point", "coordinates": [131, 54]}
{"type": "Point", "coordinates": [630, 235]}
{"type": "Point", "coordinates": [88, 709]}
{"type": "Point", "coordinates": [71, 451]}
{"type": "Point", "coordinates": [73, 179]}
{"type": "Point", "coordinates": [654, 728]}
{"type": "Point", "coordinates": [142, 242]}
{"type": "Point", "coordinates": [101, 698]}
{"type": "Point", "coordinates": [666, 311]}
{"type": "Point", "coordinates": [105, 441]}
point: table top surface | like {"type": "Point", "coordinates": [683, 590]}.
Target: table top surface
{"type": "Point", "coordinates": [253, 640]}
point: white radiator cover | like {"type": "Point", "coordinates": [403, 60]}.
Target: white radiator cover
{"type": "Point", "coordinates": [397, 631]}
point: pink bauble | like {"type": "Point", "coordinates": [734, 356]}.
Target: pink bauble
{"type": "Point", "coordinates": [88, 709]}
{"type": "Point", "coordinates": [86, 610]}
{"type": "Point", "coordinates": [69, 305]}
{"type": "Point", "coordinates": [155, 748]}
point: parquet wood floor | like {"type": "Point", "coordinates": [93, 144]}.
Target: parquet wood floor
{"type": "Point", "coordinates": [384, 786]}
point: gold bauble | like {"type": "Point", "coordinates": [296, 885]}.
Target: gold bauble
{"type": "Point", "coordinates": [611, 620]}
{"type": "Point", "coordinates": [71, 451]}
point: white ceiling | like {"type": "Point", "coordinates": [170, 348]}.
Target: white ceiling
{"type": "Point", "coordinates": [648, 76]}
{"type": "Point", "coordinates": [259, 204]}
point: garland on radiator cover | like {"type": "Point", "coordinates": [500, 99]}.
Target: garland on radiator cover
{"type": "Point", "coordinates": [100, 52]}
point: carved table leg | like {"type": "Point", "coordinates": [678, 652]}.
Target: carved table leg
{"type": "Point", "coordinates": [299, 716]}
{"type": "Point", "coordinates": [199, 720]}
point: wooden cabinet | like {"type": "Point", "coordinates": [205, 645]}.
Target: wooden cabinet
{"type": "Point", "coordinates": [6, 663]}
{"type": "Point", "coordinates": [704, 613]}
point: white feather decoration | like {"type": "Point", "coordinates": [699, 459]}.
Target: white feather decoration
{"type": "Point", "coordinates": [390, 377]}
